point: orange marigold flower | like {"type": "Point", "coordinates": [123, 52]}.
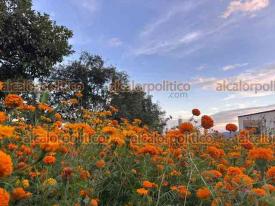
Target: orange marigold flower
{"type": "Point", "coordinates": [12, 147]}
{"type": "Point", "coordinates": [78, 94]}
{"type": "Point", "coordinates": [109, 130]}
{"type": "Point", "coordinates": [45, 107]}
{"type": "Point", "coordinates": [27, 107]}
{"type": "Point", "coordinates": [247, 144]}
{"type": "Point", "coordinates": [270, 174]}
{"type": "Point", "coordinates": [142, 191]}
{"type": "Point", "coordinates": [149, 149]}
{"type": "Point", "coordinates": [196, 112]}
{"type": "Point", "coordinates": [218, 186]}
{"type": "Point", "coordinates": [58, 116]}
{"type": "Point", "coordinates": [242, 180]}
{"type": "Point", "coordinates": [6, 131]}
{"type": "Point", "coordinates": [19, 193]}
{"type": "Point", "coordinates": [77, 127]}
{"type": "Point", "coordinates": [261, 153]}
{"type": "Point", "coordinates": [259, 192]}
{"type": "Point", "coordinates": [269, 187]}
{"type": "Point", "coordinates": [203, 193]}
{"type": "Point", "coordinates": [49, 160]}
{"type": "Point", "coordinates": [212, 174]}
{"type": "Point", "coordinates": [13, 100]}
{"type": "Point", "coordinates": [26, 150]}
{"type": "Point", "coordinates": [222, 168]}
{"type": "Point", "coordinates": [3, 117]}
{"type": "Point", "coordinates": [233, 171]}
{"type": "Point", "coordinates": [6, 166]}
{"type": "Point", "coordinates": [231, 127]}
{"type": "Point", "coordinates": [175, 173]}
{"type": "Point", "coordinates": [117, 140]}
{"type": "Point", "coordinates": [84, 174]}
{"type": "Point", "coordinates": [207, 122]}
{"type": "Point", "coordinates": [186, 127]}
{"type": "Point", "coordinates": [182, 190]}
{"type": "Point", "coordinates": [234, 155]}
{"type": "Point", "coordinates": [214, 152]}
{"type": "Point", "coordinates": [4, 197]}
{"type": "Point", "coordinates": [1, 86]}
{"type": "Point", "coordinates": [48, 143]}
{"type": "Point", "coordinates": [148, 184]}
{"type": "Point", "coordinates": [94, 202]}
{"type": "Point", "coordinates": [100, 164]}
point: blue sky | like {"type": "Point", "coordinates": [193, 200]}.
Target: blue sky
{"type": "Point", "coordinates": [200, 43]}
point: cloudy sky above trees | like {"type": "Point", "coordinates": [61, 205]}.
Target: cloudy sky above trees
{"type": "Point", "coordinates": [202, 43]}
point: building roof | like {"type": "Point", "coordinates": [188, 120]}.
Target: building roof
{"type": "Point", "coordinates": [257, 113]}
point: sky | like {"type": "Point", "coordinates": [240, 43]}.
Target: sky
{"type": "Point", "coordinates": [197, 46]}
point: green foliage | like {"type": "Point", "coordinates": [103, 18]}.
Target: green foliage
{"type": "Point", "coordinates": [30, 42]}
{"type": "Point", "coordinates": [91, 72]}
{"type": "Point", "coordinates": [136, 104]}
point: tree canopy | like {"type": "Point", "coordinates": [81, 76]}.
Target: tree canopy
{"type": "Point", "coordinates": [30, 42]}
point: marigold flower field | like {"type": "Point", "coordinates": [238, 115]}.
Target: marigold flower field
{"type": "Point", "coordinates": [95, 160]}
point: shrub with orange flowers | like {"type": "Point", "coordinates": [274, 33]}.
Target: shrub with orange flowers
{"type": "Point", "coordinates": [47, 157]}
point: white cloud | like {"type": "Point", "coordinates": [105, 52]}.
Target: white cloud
{"type": "Point", "coordinates": [114, 42]}
{"type": "Point", "coordinates": [201, 68]}
{"type": "Point", "coordinates": [233, 66]}
{"type": "Point", "coordinates": [89, 5]}
{"type": "Point", "coordinates": [168, 45]}
{"type": "Point", "coordinates": [153, 26]}
{"type": "Point", "coordinates": [248, 6]}
{"type": "Point", "coordinates": [159, 37]}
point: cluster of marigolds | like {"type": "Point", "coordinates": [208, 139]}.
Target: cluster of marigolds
{"type": "Point", "coordinates": [45, 160]}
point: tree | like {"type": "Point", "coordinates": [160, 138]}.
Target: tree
{"type": "Point", "coordinates": [136, 104]}
{"type": "Point", "coordinates": [94, 76]}
{"type": "Point", "coordinates": [30, 42]}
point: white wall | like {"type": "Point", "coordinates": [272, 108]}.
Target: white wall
{"type": "Point", "coordinates": [267, 120]}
